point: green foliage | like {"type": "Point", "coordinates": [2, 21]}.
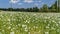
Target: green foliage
{"type": "Point", "coordinates": [35, 9]}
{"type": "Point", "coordinates": [54, 8]}
{"type": "Point", "coordinates": [59, 5]}
{"type": "Point", "coordinates": [29, 23]}
{"type": "Point", "coordinates": [45, 8]}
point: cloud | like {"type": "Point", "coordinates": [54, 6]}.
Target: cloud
{"type": "Point", "coordinates": [39, 1]}
{"type": "Point", "coordinates": [20, 3]}
{"type": "Point", "coordinates": [14, 1]}
{"type": "Point", "coordinates": [28, 1]}
{"type": "Point", "coordinates": [36, 4]}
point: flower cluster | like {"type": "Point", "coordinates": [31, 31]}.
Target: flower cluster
{"type": "Point", "coordinates": [29, 23]}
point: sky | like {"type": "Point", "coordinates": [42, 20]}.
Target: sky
{"type": "Point", "coordinates": [25, 3]}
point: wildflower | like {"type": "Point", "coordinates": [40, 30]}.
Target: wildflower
{"type": "Point", "coordinates": [9, 27]}
{"type": "Point", "coordinates": [24, 25]}
{"type": "Point", "coordinates": [34, 14]}
{"type": "Point", "coordinates": [46, 32]}
{"type": "Point", "coordinates": [56, 24]}
{"type": "Point", "coordinates": [47, 26]}
{"type": "Point", "coordinates": [8, 19]}
{"type": "Point", "coordinates": [53, 28]}
{"type": "Point", "coordinates": [59, 22]}
{"type": "Point", "coordinates": [3, 30]}
{"type": "Point", "coordinates": [58, 30]}
{"type": "Point", "coordinates": [11, 32]}
{"type": "Point", "coordinates": [18, 24]}
{"type": "Point", "coordinates": [28, 32]}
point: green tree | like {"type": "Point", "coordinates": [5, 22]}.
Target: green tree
{"type": "Point", "coordinates": [35, 9]}
{"type": "Point", "coordinates": [54, 7]}
{"type": "Point", "coordinates": [45, 8]}
{"type": "Point", "coordinates": [59, 5]}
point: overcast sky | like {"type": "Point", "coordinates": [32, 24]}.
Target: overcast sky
{"type": "Point", "coordinates": [25, 3]}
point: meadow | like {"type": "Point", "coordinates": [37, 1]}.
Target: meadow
{"type": "Point", "coordinates": [29, 23]}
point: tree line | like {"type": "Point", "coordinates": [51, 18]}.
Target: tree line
{"type": "Point", "coordinates": [44, 8]}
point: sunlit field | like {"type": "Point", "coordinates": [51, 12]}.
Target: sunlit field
{"type": "Point", "coordinates": [29, 23]}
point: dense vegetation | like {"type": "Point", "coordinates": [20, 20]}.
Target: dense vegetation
{"type": "Point", "coordinates": [29, 23]}
{"type": "Point", "coordinates": [45, 8]}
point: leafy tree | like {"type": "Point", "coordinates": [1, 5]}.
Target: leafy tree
{"type": "Point", "coordinates": [35, 9]}
{"type": "Point", "coordinates": [10, 9]}
{"type": "Point", "coordinates": [45, 8]}
{"type": "Point", "coordinates": [59, 5]}
{"type": "Point", "coordinates": [54, 7]}
{"type": "Point", "coordinates": [27, 9]}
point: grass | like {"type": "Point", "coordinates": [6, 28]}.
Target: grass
{"type": "Point", "coordinates": [29, 23]}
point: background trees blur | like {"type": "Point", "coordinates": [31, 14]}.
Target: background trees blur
{"type": "Point", "coordinates": [54, 8]}
{"type": "Point", "coordinates": [59, 5]}
{"type": "Point", "coordinates": [44, 8]}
